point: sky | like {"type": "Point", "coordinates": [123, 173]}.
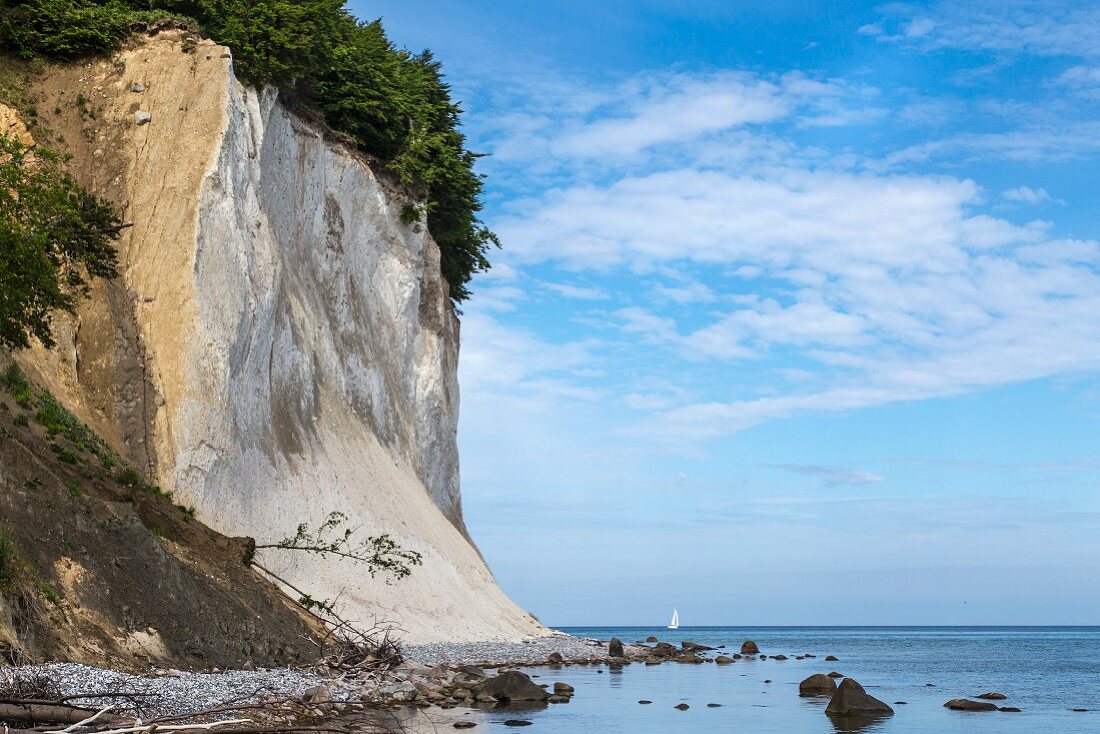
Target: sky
{"type": "Point", "coordinates": [797, 314]}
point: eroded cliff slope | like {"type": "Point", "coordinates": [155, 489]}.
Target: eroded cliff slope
{"type": "Point", "coordinates": [280, 344]}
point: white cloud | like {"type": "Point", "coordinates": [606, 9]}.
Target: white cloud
{"type": "Point", "coordinates": [576, 292]}
{"type": "Point", "coordinates": [1040, 27]}
{"type": "Point", "coordinates": [678, 109]}
{"type": "Point", "coordinates": [833, 476]}
{"type": "Point", "coordinates": [1027, 195]}
{"type": "Point", "coordinates": [498, 357]}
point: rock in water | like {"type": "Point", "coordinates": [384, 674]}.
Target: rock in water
{"type": "Point", "coordinates": [851, 700]}
{"type": "Point", "coordinates": [964, 704]}
{"type": "Point", "coordinates": [681, 706]}
{"type": "Point", "coordinates": [651, 638]}
{"type": "Point", "coordinates": [555, 658]}
{"type": "Point", "coordinates": [749, 648]}
{"type": "Point", "coordinates": [693, 646]}
{"type": "Point", "coordinates": [512, 686]}
{"type": "Point", "coordinates": [817, 685]}
{"type": "Point", "coordinates": [665, 650]}
{"type": "Point", "coordinates": [615, 648]}
{"type": "Point", "coordinates": [723, 660]}
{"type": "Point", "coordinates": [992, 696]}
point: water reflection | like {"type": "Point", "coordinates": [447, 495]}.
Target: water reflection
{"type": "Point", "coordinates": [856, 724]}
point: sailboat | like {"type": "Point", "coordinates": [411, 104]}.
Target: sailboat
{"type": "Point", "coordinates": [675, 623]}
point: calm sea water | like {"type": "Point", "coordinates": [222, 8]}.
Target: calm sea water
{"type": "Point", "coordinates": [1046, 671]}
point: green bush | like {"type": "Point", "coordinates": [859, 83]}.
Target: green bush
{"type": "Point", "coordinates": [395, 105]}
{"type": "Point", "coordinates": [18, 386]}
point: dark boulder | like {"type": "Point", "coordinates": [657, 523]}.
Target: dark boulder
{"type": "Point", "coordinates": [831, 658]}
{"type": "Point", "coordinates": [965, 704]}
{"type": "Point", "coordinates": [651, 638]}
{"type": "Point", "coordinates": [681, 706]}
{"type": "Point", "coordinates": [723, 660]}
{"type": "Point", "coordinates": [1009, 709]}
{"type": "Point", "coordinates": [555, 658]}
{"type": "Point", "coordinates": [851, 700]}
{"type": "Point", "coordinates": [817, 685]}
{"type": "Point", "coordinates": [779, 657]}
{"type": "Point", "coordinates": [511, 686]}
{"type": "Point", "coordinates": [992, 696]}
{"type": "Point", "coordinates": [694, 646]}
{"type": "Point", "coordinates": [615, 648]}
{"type": "Point", "coordinates": [665, 650]}
{"type": "Point", "coordinates": [748, 647]}
{"type": "Point", "coordinates": [835, 674]}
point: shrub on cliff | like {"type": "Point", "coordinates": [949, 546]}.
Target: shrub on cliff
{"type": "Point", "coordinates": [394, 104]}
{"type": "Point", "coordinates": [54, 237]}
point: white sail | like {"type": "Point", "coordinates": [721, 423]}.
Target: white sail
{"type": "Point", "coordinates": [675, 623]}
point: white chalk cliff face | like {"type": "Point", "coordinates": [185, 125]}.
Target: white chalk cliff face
{"type": "Point", "coordinates": [299, 351]}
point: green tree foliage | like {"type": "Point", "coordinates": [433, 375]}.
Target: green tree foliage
{"type": "Point", "coordinates": [395, 105]}
{"type": "Point", "coordinates": [65, 29]}
{"type": "Point", "coordinates": [54, 236]}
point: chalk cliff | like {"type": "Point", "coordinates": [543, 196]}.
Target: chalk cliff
{"type": "Point", "coordinates": [280, 344]}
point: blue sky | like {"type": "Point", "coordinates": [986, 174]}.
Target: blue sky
{"type": "Point", "coordinates": [797, 318]}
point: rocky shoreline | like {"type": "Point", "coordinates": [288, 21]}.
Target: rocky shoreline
{"type": "Point", "coordinates": [433, 676]}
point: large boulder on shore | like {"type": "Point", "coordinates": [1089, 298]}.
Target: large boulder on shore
{"type": "Point", "coordinates": [512, 685]}
{"type": "Point", "coordinates": [964, 704]}
{"type": "Point", "coordinates": [851, 700]}
{"type": "Point", "coordinates": [615, 648]}
{"type": "Point", "coordinates": [817, 684]}
{"type": "Point", "coordinates": [748, 647]}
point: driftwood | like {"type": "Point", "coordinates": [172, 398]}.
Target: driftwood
{"type": "Point", "coordinates": [35, 713]}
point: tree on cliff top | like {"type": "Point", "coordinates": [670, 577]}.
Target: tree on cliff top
{"type": "Point", "coordinates": [394, 104]}
{"type": "Point", "coordinates": [54, 237]}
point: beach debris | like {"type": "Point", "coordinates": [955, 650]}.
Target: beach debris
{"type": "Point", "coordinates": [965, 704]}
{"type": "Point", "coordinates": [992, 696]}
{"type": "Point", "coordinates": [817, 685]}
{"type": "Point", "coordinates": [748, 647]}
{"type": "Point", "coordinates": [851, 699]}
{"type": "Point", "coordinates": [615, 648]}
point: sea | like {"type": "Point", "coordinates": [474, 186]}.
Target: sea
{"type": "Point", "coordinates": [1045, 671]}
